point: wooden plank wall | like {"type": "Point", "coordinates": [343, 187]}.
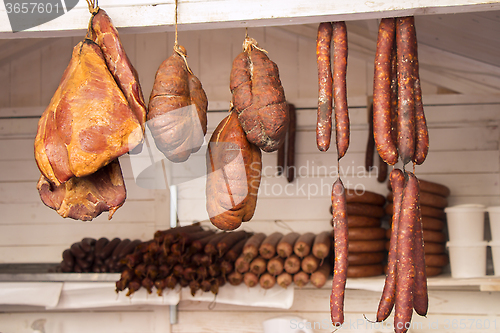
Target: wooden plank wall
{"type": "Point", "coordinates": [464, 155]}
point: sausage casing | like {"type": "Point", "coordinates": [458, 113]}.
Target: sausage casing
{"type": "Point", "coordinates": [382, 124]}
{"type": "Point", "coordinates": [325, 83]}
{"type": "Point", "coordinates": [405, 255]}
{"type": "Point", "coordinates": [340, 87]}
{"type": "Point", "coordinates": [341, 240]}
{"type": "Point", "coordinates": [389, 293]}
{"type": "Point", "coordinates": [405, 35]}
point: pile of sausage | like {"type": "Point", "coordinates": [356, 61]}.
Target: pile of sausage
{"type": "Point", "coordinates": [267, 260]}
{"type": "Point", "coordinates": [366, 249]}
{"type": "Point", "coordinates": [187, 256]}
{"type": "Point", "coordinates": [96, 256]}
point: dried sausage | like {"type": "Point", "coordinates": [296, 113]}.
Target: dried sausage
{"type": "Point", "coordinates": [340, 87]}
{"type": "Point", "coordinates": [389, 293]}
{"type": "Point", "coordinates": [405, 35]}
{"type": "Point", "coordinates": [325, 84]}
{"type": "Point", "coordinates": [382, 124]}
{"type": "Point", "coordinates": [405, 255]}
{"type": "Point", "coordinates": [341, 242]}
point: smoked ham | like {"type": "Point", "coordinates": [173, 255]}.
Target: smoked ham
{"type": "Point", "coordinates": [233, 175]}
{"type": "Point", "coordinates": [106, 36]}
{"type": "Point", "coordinates": [84, 198]}
{"type": "Point", "coordinates": [88, 122]}
{"type": "Point", "coordinates": [258, 97]}
{"type": "Point", "coordinates": [178, 104]}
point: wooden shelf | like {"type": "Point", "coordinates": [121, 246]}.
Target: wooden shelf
{"type": "Point", "coordinates": [144, 16]}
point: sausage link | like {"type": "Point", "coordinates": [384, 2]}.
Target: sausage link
{"type": "Point", "coordinates": [370, 144]}
{"type": "Point", "coordinates": [340, 87]}
{"type": "Point", "coordinates": [341, 240]}
{"type": "Point", "coordinates": [280, 163]}
{"type": "Point", "coordinates": [405, 255]}
{"type": "Point", "coordinates": [422, 133]}
{"type": "Point", "coordinates": [382, 124]}
{"type": "Point", "coordinates": [405, 35]}
{"type": "Point", "coordinates": [389, 293]}
{"type": "Point", "coordinates": [325, 83]}
{"type": "Point", "coordinates": [383, 169]}
{"type": "Point", "coordinates": [420, 296]}
{"type": "Point", "coordinates": [290, 146]}
{"type": "Point", "coordinates": [394, 92]}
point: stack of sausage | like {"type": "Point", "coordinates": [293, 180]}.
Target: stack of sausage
{"type": "Point", "coordinates": [283, 259]}
{"type": "Point", "coordinates": [188, 256]}
{"type": "Point", "coordinates": [366, 250]}
{"type": "Point", "coordinates": [433, 200]}
{"type": "Point", "coordinates": [96, 256]}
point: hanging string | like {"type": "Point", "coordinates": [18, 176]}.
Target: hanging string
{"type": "Point", "coordinates": [93, 6]}
{"type": "Point", "coordinates": [93, 9]}
{"type": "Point", "coordinates": [175, 22]}
{"type": "Point", "coordinates": [177, 48]}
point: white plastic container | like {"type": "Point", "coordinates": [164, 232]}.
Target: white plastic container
{"type": "Point", "coordinates": [467, 260]}
{"type": "Point", "coordinates": [495, 254]}
{"type": "Point", "coordinates": [494, 217]}
{"type": "Point", "coordinates": [465, 223]}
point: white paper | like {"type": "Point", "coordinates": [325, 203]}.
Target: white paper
{"type": "Point", "coordinates": [79, 295]}
{"type": "Point", "coordinates": [276, 297]}
{"type": "Point", "coordinates": [30, 293]}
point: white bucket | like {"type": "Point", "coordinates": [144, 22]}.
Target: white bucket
{"type": "Point", "coordinates": [495, 254]}
{"type": "Point", "coordinates": [467, 260]}
{"type": "Point", "coordinates": [465, 223]}
{"type": "Point", "coordinates": [494, 217]}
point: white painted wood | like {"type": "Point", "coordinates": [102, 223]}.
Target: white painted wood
{"type": "Point", "coordinates": [26, 76]}
{"type": "Point", "coordinates": [81, 322]}
{"type": "Point", "coordinates": [38, 235]}
{"type": "Point", "coordinates": [6, 90]}
{"type": "Point", "coordinates": [227, 14]}
{"type": "Point", "coordinates": [25, 213]}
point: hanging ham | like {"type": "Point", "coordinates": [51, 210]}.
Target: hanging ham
{"type": "Point", "coordinates": [105, 35]}
{"type": "Point", "coordinates": [88, 122]}
{"type": "Point", "coordinates": [177, 114]}
{"type": "Point", "coordinates": [258, 97]}
{"type": "Point", "coordinates": [84, 198]}
{"type": "Point", "coordinates": [233, 175]}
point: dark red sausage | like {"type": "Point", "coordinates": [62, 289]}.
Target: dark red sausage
{"type": "Point", "coordinates": [340, 87]}
{"type": "Point", "coordinates": [422, 133]}
{"type": "Point", "coordinates": [405, 35]}
{"type": "Point", "coordinates": [389, 293]}
{"type": "Point", "coordinates": [341, 240]}
{"type": "Point", "coordinates": [290, 153]}
{"type": "Point", "coordinates": [420, 296]}
{"type": "Point", "coordinates": [370, 144]}
{"type": "Point", "coordinates": [382, 125]}
{"type": "Point", "coordinates": [405, 251]}
{"type": "Point", "coordinates": [325, 83]}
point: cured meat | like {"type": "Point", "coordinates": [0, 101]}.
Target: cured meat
{"type": "Point", "coordinates": [88, 122]}
{"type": "Point", "coordinates": [340, 88]}
{"type": "Point", "coordinates": [325, 85]}
{"type": "Point", "coordinates": [106, 36]}
{"type": "Point", "coordinates": [382, 88]}
{"type": "Point", "coordinates": [258, 97]}
{"type": "Point", "coordinates": [233, 175]}
{"type": "Point", "coordinates": [177, 114]}
{"type": "Point", "coordinates": [84, 198]}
